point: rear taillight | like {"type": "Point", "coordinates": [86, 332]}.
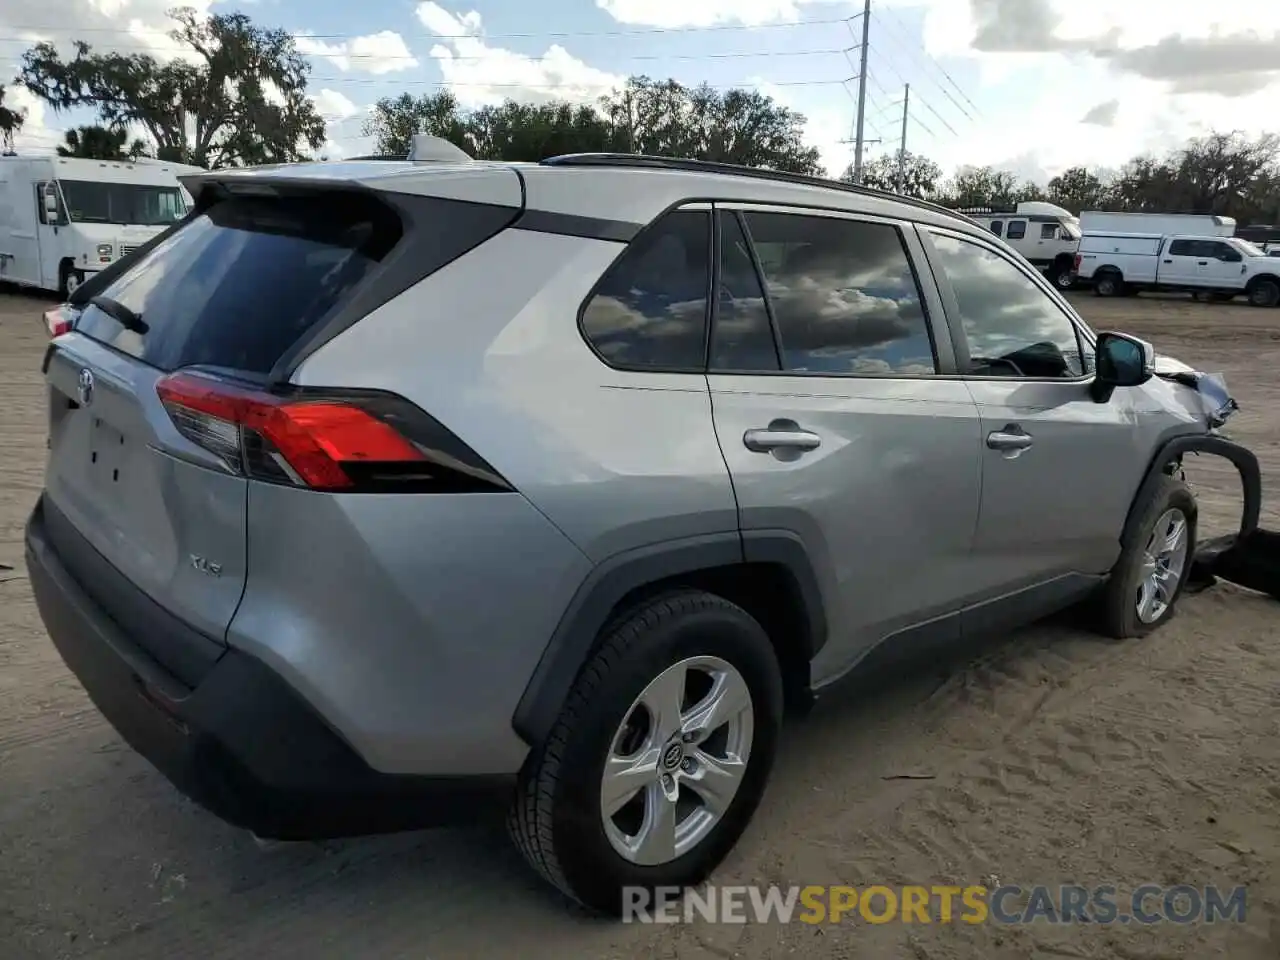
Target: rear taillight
{"type": "Point", "coordinates": [1075, 263]}
{"type": "Point", "coordinates": [59, 320]}
{"type": "Point", "coordinates": [338, 441]}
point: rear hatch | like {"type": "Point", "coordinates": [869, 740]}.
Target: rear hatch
{"type": "Point", "coordinates": [146, 504]}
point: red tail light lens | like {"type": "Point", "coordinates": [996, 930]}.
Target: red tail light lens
{"type": "Point", "coordinates": [58, 320]}
{"type": "Point", "coordinates": [322, 442]}
{"type": "Point", "coordinates": [1075, 263]}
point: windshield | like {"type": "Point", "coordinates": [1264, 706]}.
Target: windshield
{"type": "Point", "coordinates": [1249, 249]}
{"type": "Point", "coordinates": [126, 203]}
{"type": "Point", "coordinates": [1071, 229]}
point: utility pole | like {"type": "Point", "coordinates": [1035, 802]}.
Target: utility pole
{"type": "Point", "coordinates": [631, 122]}
{"type": "Point", "coordinates": [902, 150]}
{"type": "Point", "coordinates": [862, 92]}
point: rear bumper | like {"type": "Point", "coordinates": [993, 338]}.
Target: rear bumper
{"type": "Point", "coordinates": [241, 743]}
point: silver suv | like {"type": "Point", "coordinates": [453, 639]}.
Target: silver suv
{"type": "Point", "coordinates": [388, 494]}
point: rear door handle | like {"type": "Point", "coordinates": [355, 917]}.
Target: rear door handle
{"type": "Point", "coordinates": [1203, 263]}
{"type": "Point", "coordinates": [1012, 437]}
{"type": "Point", "coordinates": [1168, 261]}
{"type": "Point", "coordinates": [780, 435]}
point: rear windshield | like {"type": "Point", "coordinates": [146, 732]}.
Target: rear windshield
{"type": "Point", "coordinates": [240, 284]}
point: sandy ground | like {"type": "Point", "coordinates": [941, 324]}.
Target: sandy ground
{"type": "Point", "coordinates": [1052, 757]}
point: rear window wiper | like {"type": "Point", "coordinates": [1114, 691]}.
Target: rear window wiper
{"type": "Point", "coordinates": [121, 314]}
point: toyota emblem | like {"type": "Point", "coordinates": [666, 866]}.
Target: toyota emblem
{"type": "Point", "coordinates": [84, 387]}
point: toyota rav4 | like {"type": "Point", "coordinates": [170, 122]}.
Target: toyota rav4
{"type": "Point", "coordinates": [384, 494]}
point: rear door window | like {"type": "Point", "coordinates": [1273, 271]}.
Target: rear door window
{"type": "Point", "coordinates": [843, 295]}
{"type": "Point", "coordinates": [1017, 230]}
{"type": "Point", "coordinates": [244, 281]}
{"type": "Point", "coordinates": [649, 311]}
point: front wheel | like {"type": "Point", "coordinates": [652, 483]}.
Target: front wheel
{"type": "Point", "coordinates": [1147, 580]}
{"type": "Point", "coordinates": [69, 281]}
{"type": "Point", "coordinates": [1107, 285]}
{"type": "Point", "coordinates": [1064, 278]}
{"type": "Point", "coordinates": [659, 758]}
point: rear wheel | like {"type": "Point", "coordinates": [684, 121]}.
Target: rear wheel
{"type": "Point", "coordinates": [1264, 293]}
{"type": "Point", "coordinates": [660, 756]}
{"type": "Point", "coordinates": [1154, 563]}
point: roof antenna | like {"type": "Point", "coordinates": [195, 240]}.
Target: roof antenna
{"type": "Point", "coordinates": [430, 149]}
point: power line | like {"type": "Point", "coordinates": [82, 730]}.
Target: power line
{"type": "Point", "coordinates": [361, 57]}
{"type": "Point", "coordinates": [559, 86]}
{"type": "Point", "coordinates": [931, 60]}
{"type": "Point", "coordinates": [539, 35]}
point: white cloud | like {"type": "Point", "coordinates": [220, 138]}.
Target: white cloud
{"type": "Point", "coordinates": [480, 74]}
{"type": "Point", "coordinates": [334, 106]}
{"type": "Point", "coordinates": [671, 14]}
{"type": "Point", "coordinates": [377, 53]}
{"type": "Point", "coordinates": [35, 136]}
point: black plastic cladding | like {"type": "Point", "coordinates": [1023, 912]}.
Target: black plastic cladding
{"type": "Point", "coordinates": [642, 161]}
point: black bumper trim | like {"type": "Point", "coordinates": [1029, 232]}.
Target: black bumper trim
{"type": "Point", "coordinates": [241, 744]}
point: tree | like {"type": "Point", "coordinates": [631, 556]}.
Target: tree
{"type": "Point", "coordinates": [1078, 189]}
{"type": "Point", "coordinates": [911, 175]}
{"type": "Point", "coordinates": [666, 118]}
{"type": "Point", "coordinates": [662, 118]}
{"type": "Point", "coordinates": [243, 100]}
{"type": "Point", "coordinates": [100, 143]}
{"type": "Point", "coordinates": [394, 121]}
{"type": "Point", "coordinates": [11, 121]}
{"type": "Point", "coordinates": [517, 131]}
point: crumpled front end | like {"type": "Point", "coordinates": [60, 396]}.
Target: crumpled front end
{"type": "Point", "coordinates": [1250, 557]}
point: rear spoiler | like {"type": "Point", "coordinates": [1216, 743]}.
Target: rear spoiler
{"type": "Point", "coordinates": [426, 148]}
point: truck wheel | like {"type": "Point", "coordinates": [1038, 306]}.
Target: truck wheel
{"type": "Point", "coordinates": [1264, 293]}
{"type": "Point", "coordinates": [1065, 280]}
{"type": "Point", "coordinates": [69, 278]}
{"type": "Point", "coordinates": [660, 755]}
{"type": "Point", "coordinates": [1154, 563]}
{"type": "Point", "coordinates": [1108, 285]}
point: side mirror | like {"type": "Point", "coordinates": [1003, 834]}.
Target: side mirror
{"type": "Point", "coordinates": [1121, 361]}
{"type": "Point", "coordinates": [50, 205]}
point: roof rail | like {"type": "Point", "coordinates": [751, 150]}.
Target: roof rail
{"type": "Point", "coordinates": [640, 160]}
{"type": "Point", "coordinates": [984, 211]}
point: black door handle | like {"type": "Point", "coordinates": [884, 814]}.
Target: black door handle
{"type": "Point", "coordinates": [1204, 263]}
{"type": "Point", "coordinates": [1168, 261]}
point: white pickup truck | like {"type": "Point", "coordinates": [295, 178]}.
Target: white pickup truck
{"type": "Point", "coordinates": [1218, 268]}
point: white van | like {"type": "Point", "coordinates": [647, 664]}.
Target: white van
{"type": "Point", "coordinates": [1044, 233]}
{"type": "Point", "coordinates": [64, 218]}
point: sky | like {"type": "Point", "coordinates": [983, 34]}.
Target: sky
{"type": "Point", "coordinates": [1031, 86]}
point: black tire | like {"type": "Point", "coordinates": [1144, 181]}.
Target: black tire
{"type": "Point", "coordinates": [1118, 613]}
{"type": "Point", "coordinates": [556, 819]}
{"type": "Point", "coordinates": [1264, 293]}
{"type": "Point", "coordinates": [65, 275]}
{"type": "Point", "coordinates": [1108, 285]}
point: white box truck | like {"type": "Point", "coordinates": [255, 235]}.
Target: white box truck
{"type": "Point", "coordinates": [64, 218]}
{"type": "Point", "coordinates": [1045, 233]}
{"type": "Point", "coordinates": [1165, 224]}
